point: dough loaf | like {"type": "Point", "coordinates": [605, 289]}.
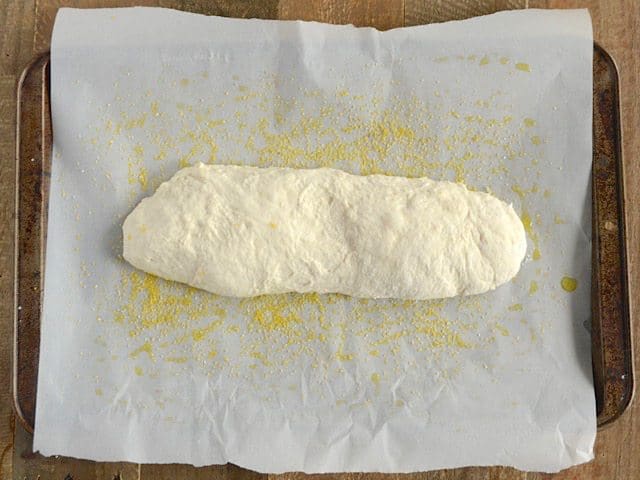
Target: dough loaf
{"type": "Point", "coordinates": [243, 231]}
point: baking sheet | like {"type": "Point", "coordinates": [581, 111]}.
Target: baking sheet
{"type": "Point", "coordinates": [304, 382]}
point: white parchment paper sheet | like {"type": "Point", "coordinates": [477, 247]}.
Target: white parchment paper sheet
{"type": "Point", "coordinates": [134, 368]}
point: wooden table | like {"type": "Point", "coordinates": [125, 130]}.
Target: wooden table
{"type": "Point", "coordinates": [26, 29]}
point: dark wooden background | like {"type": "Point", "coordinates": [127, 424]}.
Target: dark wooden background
{"type": "Point", "coordinates": [25, 29]}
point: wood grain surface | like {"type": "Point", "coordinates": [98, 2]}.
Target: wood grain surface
{"type": "Point", "coordinates": [25, 29]}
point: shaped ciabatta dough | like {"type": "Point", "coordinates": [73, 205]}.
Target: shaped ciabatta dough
{"type": "Point", "coordinates": [244, 231]}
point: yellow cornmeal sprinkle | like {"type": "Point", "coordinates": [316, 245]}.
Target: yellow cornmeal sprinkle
{"type": "Point", "coordinates": [138, 150]}
{"type": "Point", "coordinates": [362, 138]}
{"type": "Point", "coordinates": [284, 314]}
{"type": "Point", "coordinates": [166, 313]}
{"type": "Point", "coordinates": [368, 138]}
{"type": "Point", "coordinates": [361, 135]}
{"type": "Point", "coordinates": [384, 323]}
{"type": "Point", "coordinates": [200, 334]}
{"type": "Point", "coordinates": [528, 227]}
{"type": "Point", "coordinates": [136, 171]}
{"type": "Point", "coordinates": [522, 193]}
{"type": "Point", "coordinates": [344, 357]}
{"type": "Point", "coordinates": [143, 178]}
{"type": "Point", "coordinates": [440, 332]}
{"type": "Point", "coordinates": [504, 331]}
{"type": "Point", "coordinates": [262, 357]}
{"type": "Point", "coordinates": [155, 109]}
{"type": "Point", "coordinates": [137, 174]}
{"type": "Point", "coordinates": [275, 329]}
{"type": "Point", "coordinates": [177, 359]}
{"type": "Point", "coordinates": [132, 123]}
{"type": "Point", "coordinates": [150, 305]}
{"type": "Point", "coordinates": [146, 347]}
{"type": "Point", "coordinates": [203, 144]}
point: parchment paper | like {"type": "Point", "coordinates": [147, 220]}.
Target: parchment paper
{"type": "Point", "coordinates": [139, 369]}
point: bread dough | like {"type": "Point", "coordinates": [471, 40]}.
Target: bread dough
{"type": "Point", "coordinates": [243, 231]}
